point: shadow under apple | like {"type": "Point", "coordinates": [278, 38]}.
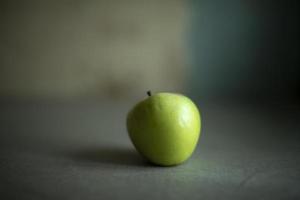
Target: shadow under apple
{"type": "Point", "coordinates": [110, 155]}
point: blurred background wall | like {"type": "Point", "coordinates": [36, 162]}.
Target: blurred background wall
{"type": "Point", "coordinates": [114, 49]}
{"type": "Point", "coordinates": [245, 50]}
{"type": "Point", "coordinates": [236, 49]}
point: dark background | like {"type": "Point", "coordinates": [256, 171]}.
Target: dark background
{"type": "Point", "coordinates": [71, 70]}
{"type": "Point", "coordinates": [246, 49]}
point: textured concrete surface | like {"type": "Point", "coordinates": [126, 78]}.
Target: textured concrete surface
{"type": "Point", "coordinates": [80, 150]}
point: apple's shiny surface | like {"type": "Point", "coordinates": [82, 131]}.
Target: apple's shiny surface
{"type": "Point", "coordinates": [165, 128]}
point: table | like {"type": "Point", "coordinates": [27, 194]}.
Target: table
{"type": "Point", "coordinates": [80, 150]}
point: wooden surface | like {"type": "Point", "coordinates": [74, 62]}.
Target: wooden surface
{"type": "Point", "coordinates": [80, 150]}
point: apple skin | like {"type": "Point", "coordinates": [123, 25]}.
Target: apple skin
{"type": "Point", "coordinates": [165, 128]}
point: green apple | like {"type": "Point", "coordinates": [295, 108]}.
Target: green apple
{"type": "Point", "coordinates": [164, 128]}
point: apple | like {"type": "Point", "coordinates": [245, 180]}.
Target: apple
{"type": "Point", "coordinates": [164, 128]}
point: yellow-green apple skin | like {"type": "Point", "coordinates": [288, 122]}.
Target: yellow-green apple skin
{"type": "Point", "coordinates": [165, 128]}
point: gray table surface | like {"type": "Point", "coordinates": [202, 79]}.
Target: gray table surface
{"type": "Point", "coordinates": [80, 150]}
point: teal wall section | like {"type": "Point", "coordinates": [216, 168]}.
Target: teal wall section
{"type": "Point", "coordinates": [244, 49]}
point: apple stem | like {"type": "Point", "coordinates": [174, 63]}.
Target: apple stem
{"type": "Point", "coordinates": [149, 93]}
